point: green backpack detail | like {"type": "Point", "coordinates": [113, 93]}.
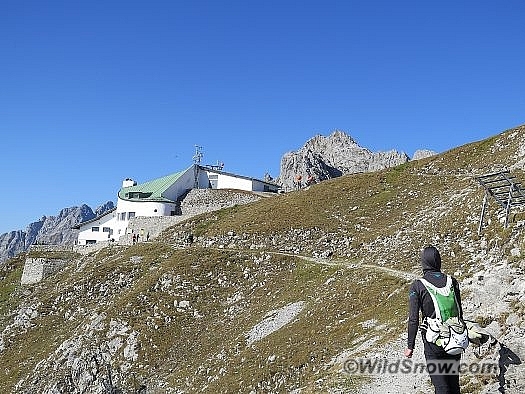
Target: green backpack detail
{"type": "Point", "coordinates": [447, 329]}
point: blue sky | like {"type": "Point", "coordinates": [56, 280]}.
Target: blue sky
{"type": "Point", "coordinates": [92, 92]}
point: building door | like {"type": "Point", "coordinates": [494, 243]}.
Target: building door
{"type": "Point", "coordinates": [214, 180]}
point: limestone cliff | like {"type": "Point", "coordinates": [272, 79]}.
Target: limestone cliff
{"type": "Point", "coordinates": [338, 154]}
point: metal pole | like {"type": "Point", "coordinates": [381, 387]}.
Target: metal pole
{"type": "Point", "coordinates": [483, 208]}
{"type": "Point", "coordinates": [196, 176]}
{"type": "Point", "coordinates": [507, 209]}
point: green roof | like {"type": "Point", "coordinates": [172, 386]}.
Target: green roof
{"type": "Point", "coordinates": [150, 191]}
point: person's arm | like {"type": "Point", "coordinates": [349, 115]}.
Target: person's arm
{"type": "Point", "coordinates": [413, 319]}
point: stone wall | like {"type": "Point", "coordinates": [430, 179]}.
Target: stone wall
{"type": "Point", "coordinates": [196, 202]}
{"type": "Point", "coordinates": [50, 248]}
{"type": "Point", "coordinates": [85, 249]}
{"type": "Point", "coordinates": [199, 201]}
{"type": "Point", "coordinates": [148, 228]}
{"type": "Point", "coordinates": [36, 269]}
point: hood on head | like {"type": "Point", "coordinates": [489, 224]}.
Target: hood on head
{"type": "Point", "coordinates": [430, 259]}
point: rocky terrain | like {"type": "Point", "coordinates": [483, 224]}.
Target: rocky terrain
{"type": "Point", "coordinates": [338, 154]}
{"type": "Point", "coordinates": [279, 295]}
{"type": "Point", "coordinates": [323, 157]}
{"type": "Point", "coordinates": [51, 230]}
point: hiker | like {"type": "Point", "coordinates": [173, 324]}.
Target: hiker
{"type": "Point", "coordinates": [421, 299]}
{"type": "Point", "coordinates": [298, 181]}
{"type": "Point", "coordinates": [310, 180]}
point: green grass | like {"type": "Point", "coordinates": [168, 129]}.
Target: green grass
{"type": "Point", "coordinates": [333, 295]}
{"type": "Point", "coordinates": [383, 218]}
{"type": "Point", "coordinates": [10, 275]}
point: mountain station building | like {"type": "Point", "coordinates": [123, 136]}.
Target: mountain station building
{"type": "Point", "coordinates": [161, 197]}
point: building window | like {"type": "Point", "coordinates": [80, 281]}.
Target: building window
{"type": "Point", "coordinates": [106, 229]}
{"type": "Point", "coordinates": [95, 229]}
{"type": "Point", "coordinates": [122, 216]}
{"type": "Point", "coordinates": [131, 215]}
{"type": "Point", "coordinates": [90, 241]}
{"type": "Point", "coordinates": [138, 195]}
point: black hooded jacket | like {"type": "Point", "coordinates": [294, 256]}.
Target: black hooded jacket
{"type": "Point", "coordinates": [420, 299]}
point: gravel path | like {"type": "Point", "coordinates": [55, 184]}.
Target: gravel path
{"type": "Point", "coordinates": [398, 383]}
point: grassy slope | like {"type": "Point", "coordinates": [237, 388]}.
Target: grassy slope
{"type": "Point", "coordinates": [184, 350]}
{"type": "Point", "coordinates": [381, 218]}
{"type": "Point", "coordinates": [419, 203]}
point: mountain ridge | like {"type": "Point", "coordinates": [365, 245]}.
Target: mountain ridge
{"type": "Point", "coordinates": [323, 157]}
{"type": "Point", "coordinates": [55, 230]}
{"type": "Point", "coordinates": [279, 294]}
{"type": "Point", "coordinates": [335, 155]}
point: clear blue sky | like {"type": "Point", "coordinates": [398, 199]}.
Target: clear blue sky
{"type": "Point", "coordinates": [92, 92]}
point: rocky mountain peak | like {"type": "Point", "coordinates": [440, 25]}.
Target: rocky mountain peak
{"type": "Point", "coordinates": [338, 154]}
{"type": "Point", "coordinates": [336, 138]}
{"type": "Point", "coordinates": [422, 153]}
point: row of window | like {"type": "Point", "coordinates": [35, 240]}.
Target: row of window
{"type": "Point", "coordinates": [138, 195]}
{"type": "Point", "coordinates": [122, 215]}
{"type": "Point", "coordinates": [104, 229]}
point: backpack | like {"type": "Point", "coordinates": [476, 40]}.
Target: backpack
{"type": "Point", "coordinates": [447, 329]}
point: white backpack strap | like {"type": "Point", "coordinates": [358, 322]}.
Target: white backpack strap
{"type": "Point", "coordinates": [445, 291]}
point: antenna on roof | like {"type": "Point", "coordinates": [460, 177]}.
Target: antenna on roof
{"type": "Point", "coordinates": [198, 154]}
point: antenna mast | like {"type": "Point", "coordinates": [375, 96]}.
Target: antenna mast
{"type": "Point", "coordinates": [197, 157]}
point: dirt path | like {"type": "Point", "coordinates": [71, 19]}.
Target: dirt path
{"type": "Point", "coordinates": [381, 383]}
{"type": "Point", "coordinates": [409, 276]}
{"type": "Point", "coordinates": [388, 383]}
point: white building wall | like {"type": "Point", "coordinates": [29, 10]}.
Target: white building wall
{"type": "Point", "coordinates": [219, 180]}
{"type": "Point", "coordinates": [230, 182]}
{"type": "Point", "coordinates": [86, 234]}
{"type": "Point", "coordinates": [127, 210]}
{"type": "Point", "coordinates": [185, 182]}
{"type": "Point", "coordinates": [143, 208]}
{"type": "Point", "coordinates": [203, 179]}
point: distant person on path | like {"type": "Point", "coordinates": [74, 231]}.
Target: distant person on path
{"type": "Point", "coordinates": [421, 300]}
{"type": "Point", "coordinates": [299, 181]}
{"type": "Point", "coordinates": [310, 180]}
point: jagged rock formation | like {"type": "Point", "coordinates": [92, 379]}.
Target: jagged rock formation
{"type": "Point", "coordinates": [422, 154]}
{"type": "Point", "coordinates": [56, 230]}
{"type": "Point", "coordinates": [330, 157]}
